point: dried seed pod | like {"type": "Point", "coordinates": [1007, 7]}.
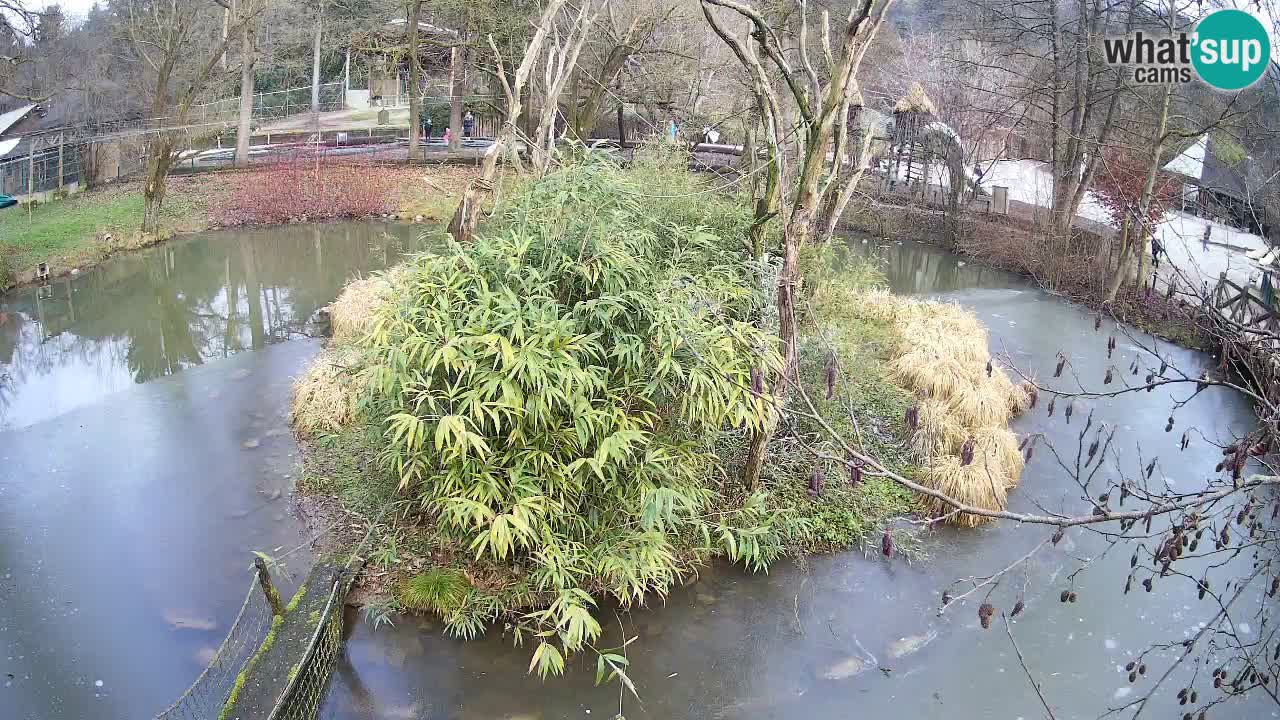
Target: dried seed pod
{"type": "Point", "coordinates": [886, 544]}
{"type": "Point", "coordinates": [1186, 439]}
{"type": "Point", "coordinates": [1182, 696]}
{"type": "Point", "coordinates": [1130, 666]}
{"type": "Point", "coordinates": [1169, 426]}
{"type": "Point", "coordinates": [1225, 536]}
{"type": "Point", "coordinates": [946, 598]}
{"type": "Point", "coordinates": [985, 612]}
{"type": "Point", "coordinates": [1018, 607]}
{"type": "Point", "coordinates": [1058, 535]}
{"type": "Point", "coordinates": [1194, 697]}
{"type": "Point", "coordinates": [1204, 586]}
{"type": "Point", "coordinates": [816, 481]}
{"type": "Point", "coordinates": [1033, 394]}
{"type": "Point", "coordinates": [1220, 466]}
{"type": "Point", "coordinates": [989, 368]}
{"type": "Point", "coordinates": [1053, 401]}
{"type": "Point", "coordinates": [1275, 588]}
{"type": "Point", "coordinates": [1106, 380]}
{"type": "Point", "coordinates": [1133, 561]}
{"type": "Point", "coordinates": [1022, 445]}
{"type": "Point", "coordinates": [1066, 594]}
{"type": "Point", "coordinates": [1146, 584]}
{"type": "Point", "coordinates": [831, 381]}
{"type": "Point", "coordinates": [1151, 466]}
{"type": "Point", "coordinates": [1164, 365]}
{"type": "Point", "coordinates": [1142, 669]}
{"type": "Point", "coordinates": [1071, 597]}
{"type": "Point", "coordinates": [1031, 450]}
{"type": "Point", "coordinates": [1133, 676]}
{"type": "Point", "coordinates": [1128, 584]}
{"type": "Point", "coordinates": [1150, 378]}
{"type": "Point", "coordinates": [1194, 544]}
{"type": "Point", "coordinates": [1071, 407]}
{"type": "Point", "coordinates": [966, 451]}
{"type": "Point", "coordinates": [1124, 492]}
{"type": "Point", "coordinates": [1093, 450]}
{"type": "Point", "coordinates": [1062, 362]}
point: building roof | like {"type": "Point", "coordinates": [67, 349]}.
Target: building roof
{"type": "Point", "coordinates": [11, 118]}
{"type": "Point", "coordinates": [7, 146]}
{"type": "Point", "coordinates": [1205, 168]}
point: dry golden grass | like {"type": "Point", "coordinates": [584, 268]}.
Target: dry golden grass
{"type": "Point", "coordinates": [937, 432]}
{"type": "Point", "coordinates": [974, 484]}
{"type": "Point", "coordinates": [942, 357]}
{"type": "Point", "coordinates": [353, 313]}
{"type": "Point", "coordinates": [324, 398]}
{"type": "Point", "coordinates": [979, 404]}
{"type": "Point", "coordinates": [997, 448]}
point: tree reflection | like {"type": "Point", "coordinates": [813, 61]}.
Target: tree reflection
{"type": "Point", "coordinates": [157, 312]}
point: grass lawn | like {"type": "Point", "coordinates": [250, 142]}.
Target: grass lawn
{"type": "Point", "coordinates": [71, 233]}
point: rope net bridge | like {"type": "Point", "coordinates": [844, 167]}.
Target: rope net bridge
{"type": "Point", "coordinates": [276, 659]}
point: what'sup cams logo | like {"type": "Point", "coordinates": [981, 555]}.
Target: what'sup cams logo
{"type": "Point", "coordinates": [1229, 50]}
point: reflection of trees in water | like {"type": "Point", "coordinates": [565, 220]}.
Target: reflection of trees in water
{"type": "Point", "coordinates": [917, 268]}
{"type": "Point", "coordinates": [188, 301]}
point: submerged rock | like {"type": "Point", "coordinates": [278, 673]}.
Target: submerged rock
{"type": "Point", "coordinates": [908, 645]}
{"type": "Point", "coordinates": [847, 668]}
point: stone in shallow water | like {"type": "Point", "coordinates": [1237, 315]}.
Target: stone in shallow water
{"type": "Point", "coordinates": [188, 621]}
{"type": "Point", "coordinates": [706, 598]}
{"type": "Point", "coordinates": [846, 668]}
{"type": "Point", "coordinates": [908, 645]}
{"type": "Point", "coordinates": [251, 443]}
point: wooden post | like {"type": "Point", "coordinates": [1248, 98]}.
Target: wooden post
{"type": "Point", "coordinates": [61, 145]}
{"type": "Point", "coordinates": [268, 589]}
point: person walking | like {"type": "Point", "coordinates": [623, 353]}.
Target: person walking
{"type": "Point", "coordinates": [1157, 248]}
{"type": "Point", "coordinates": [1204, 241]}
{"type": "Point", "coordinates": [468, 124]}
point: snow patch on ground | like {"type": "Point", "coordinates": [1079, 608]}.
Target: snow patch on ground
{"type": "Point", "coordinates": [1030, 182]}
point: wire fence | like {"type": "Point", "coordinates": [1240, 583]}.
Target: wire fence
{"type": "Point", "coordinates": [271, 105]}
{"type": "Point", "coordinates": [45, 171]}
{"type": "Point", "coordinates": [309, 679]}
{"type": "Point", "coordinates": [209, 693]}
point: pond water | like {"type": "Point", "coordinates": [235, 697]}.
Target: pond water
{"type": "Point", "coordinates": [144, 454]}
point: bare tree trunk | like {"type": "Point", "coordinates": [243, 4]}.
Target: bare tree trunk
{"type": "Point", "coordinates": [315, 61]}
{"type": "Point", "coordinates": [467, 215]}
{"type": "Point", "coordinates": [1144, 201]}
{"type": "Point", "coordinates": [248, 68]}
{"type": "Point", "coordinates": [456, 58]}
{"type": "Point", "coordinates": [159, 162]}
{"type": "Point", "coordinates": [415, 76]}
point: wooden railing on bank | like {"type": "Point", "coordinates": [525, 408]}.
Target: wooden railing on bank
{"type": "Point", "coordinates": [1250, 307]}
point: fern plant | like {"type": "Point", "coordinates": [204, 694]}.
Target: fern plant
{"type": "Point", "coordinates": [552, 390]}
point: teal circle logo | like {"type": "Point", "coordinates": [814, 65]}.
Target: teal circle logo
{"type": "Point", "coordinates": [1231, 49]}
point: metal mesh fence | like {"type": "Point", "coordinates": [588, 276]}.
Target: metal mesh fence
{"type": "Point", "coordinates": [309, 679]}
{"type": "Point", "coordinates": [271, 105]}
{"type": "Point", "coordinates": [27, 174]}
{"type": "Point", "coordinates": [206, 697]}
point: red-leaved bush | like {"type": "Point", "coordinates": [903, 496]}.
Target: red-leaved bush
{"type": "Point", "coordinates": [300, 189]}
{"type": "Point", "coordinates": [1118, 186]}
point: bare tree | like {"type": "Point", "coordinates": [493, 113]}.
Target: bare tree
{"type": "Point", "coordinates": [822, 104]}
{"type": "Point", "coordinates": [167, 35]}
